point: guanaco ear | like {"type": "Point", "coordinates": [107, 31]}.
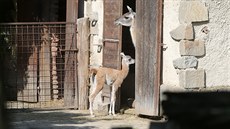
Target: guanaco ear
{"type": "Point", "coordinates": [130, 9]}
{"type": "Point", "coordinates": [122, 54]}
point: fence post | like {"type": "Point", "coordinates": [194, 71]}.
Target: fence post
{"type": "Point", "coordinates": [83, 61]}
{"type": "Point", "coordinates": [70, 82]}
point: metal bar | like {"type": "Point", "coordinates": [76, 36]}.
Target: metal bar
{"type": "Point", "coordinates": [26, 37]}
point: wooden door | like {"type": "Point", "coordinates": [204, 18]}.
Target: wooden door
{"type": "Point", "coordinates": [148, 49]}
{"type": "Point", "coordinates": [112, 38]}
{"type": "Point", "coordinates": [112, 34]}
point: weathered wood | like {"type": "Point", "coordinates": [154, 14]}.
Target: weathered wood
{"type": "Point", "coordinates": [112, 48]}
{"type": "Point", "coordinates": [106, 94]}
{"type": "Point", "coordinates": [83, 61]}
{"type": "Point", "coordinates": [147, 57]}
{"type": "Point", "coordinates": [70, 80]}
{"type": "Point", "coordinates": [71, 10]}
{"type": "Point", "coordinates": [110, 56]}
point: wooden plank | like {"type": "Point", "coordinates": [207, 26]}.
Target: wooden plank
{"type": "Point", "coordinates": [147, 58]}
{"type": "Point", "coordinates": [106, 94]}
{"type": "Point", "coordinates": [159, 33]}
{"type": "Point", "coordinates": [70, 81]}
{"type": "Point", "coordinates": [111, 53]}
{"type": "Point", "coordinates": [111, 57]}
{"type": "Point", "coordinates": [83, 61]}
{"type": "Point", "coordinates": [112, 35]}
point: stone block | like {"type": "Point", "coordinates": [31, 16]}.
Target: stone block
{"type": "Point", "coordinates": [192, 78]}
{"type": "Point", "coordinates": [185, 62]}
{"type": "Point", "coordinates": [192, 48]}
{"type": "Point", "coordinates": [183, 31]}
{"type": "Point", "coordinates": [192, 11]}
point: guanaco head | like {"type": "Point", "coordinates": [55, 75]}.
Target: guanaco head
{"type": "Point", "coordinates": [126, 19]}
{"type": "Point", "coordinates": [127, 59]}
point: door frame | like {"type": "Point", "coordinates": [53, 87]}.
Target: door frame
{"type": "Point", "coordinates": [148, 57]}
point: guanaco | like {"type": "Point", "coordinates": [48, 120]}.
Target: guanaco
{"type": "Point", "coordinates": [111, 77]}
{"type": "Point", "coordinates": [128, 19]}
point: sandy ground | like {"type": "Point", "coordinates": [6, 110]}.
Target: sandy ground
{"type": "Point", "coordinates": [76, 119]}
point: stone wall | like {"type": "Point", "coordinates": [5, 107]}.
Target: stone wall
{"type": "Point", "coordinates": [196, 43]}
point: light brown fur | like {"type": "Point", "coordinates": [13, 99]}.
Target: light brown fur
{"type": "Point", "coordinates": [111, 77]}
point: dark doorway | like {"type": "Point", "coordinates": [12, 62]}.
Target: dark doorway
{"type": "Point", "coordinates": [128, 86]}
{"type": "Point", "coordinates": [41, 10]}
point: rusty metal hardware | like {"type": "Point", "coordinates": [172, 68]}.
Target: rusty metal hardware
{"type": "Point", "coordinates": [94, 22]}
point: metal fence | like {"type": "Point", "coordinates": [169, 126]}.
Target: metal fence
{"type": "Point", "coordinates": [37, 63]}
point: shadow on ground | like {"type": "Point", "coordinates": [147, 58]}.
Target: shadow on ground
{"type": "Point", "coordinates": [75, 119]}
{"type": "Point", "coordinates": [48, 119]}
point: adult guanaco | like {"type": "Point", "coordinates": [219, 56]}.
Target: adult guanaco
{"type": "Point", "coordinates": [128, 19]}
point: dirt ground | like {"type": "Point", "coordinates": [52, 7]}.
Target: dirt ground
{"type": "Point", "coordinates": [76, 119]}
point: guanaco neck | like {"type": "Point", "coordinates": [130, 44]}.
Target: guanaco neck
{"type": "Point", "coordinates": [125, 69]}
{"type": "Point", "coordinates": [133, 31]}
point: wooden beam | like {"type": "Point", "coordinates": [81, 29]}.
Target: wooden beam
{"type": "Point", "coordinates": [112, 38]}
{"type": "Point", "coordinates": [70, 81]}
{"type": "Point", "coordinates": [159, 33]}
{"type": "Point", "coordinates": [83, 61]}
{"type": "Point", "coordinates": [71, 10]}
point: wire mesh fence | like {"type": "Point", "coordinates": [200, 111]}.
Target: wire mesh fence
{"type": "Point", "coordinates": [39, 60]}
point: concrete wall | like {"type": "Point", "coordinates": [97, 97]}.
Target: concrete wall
{"type": "Point", "coordinates": [216, 60]}
{"type": "Point", "coordinates": [171, 52]}
{"type": "Point", "coordinates": [94, 10]}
